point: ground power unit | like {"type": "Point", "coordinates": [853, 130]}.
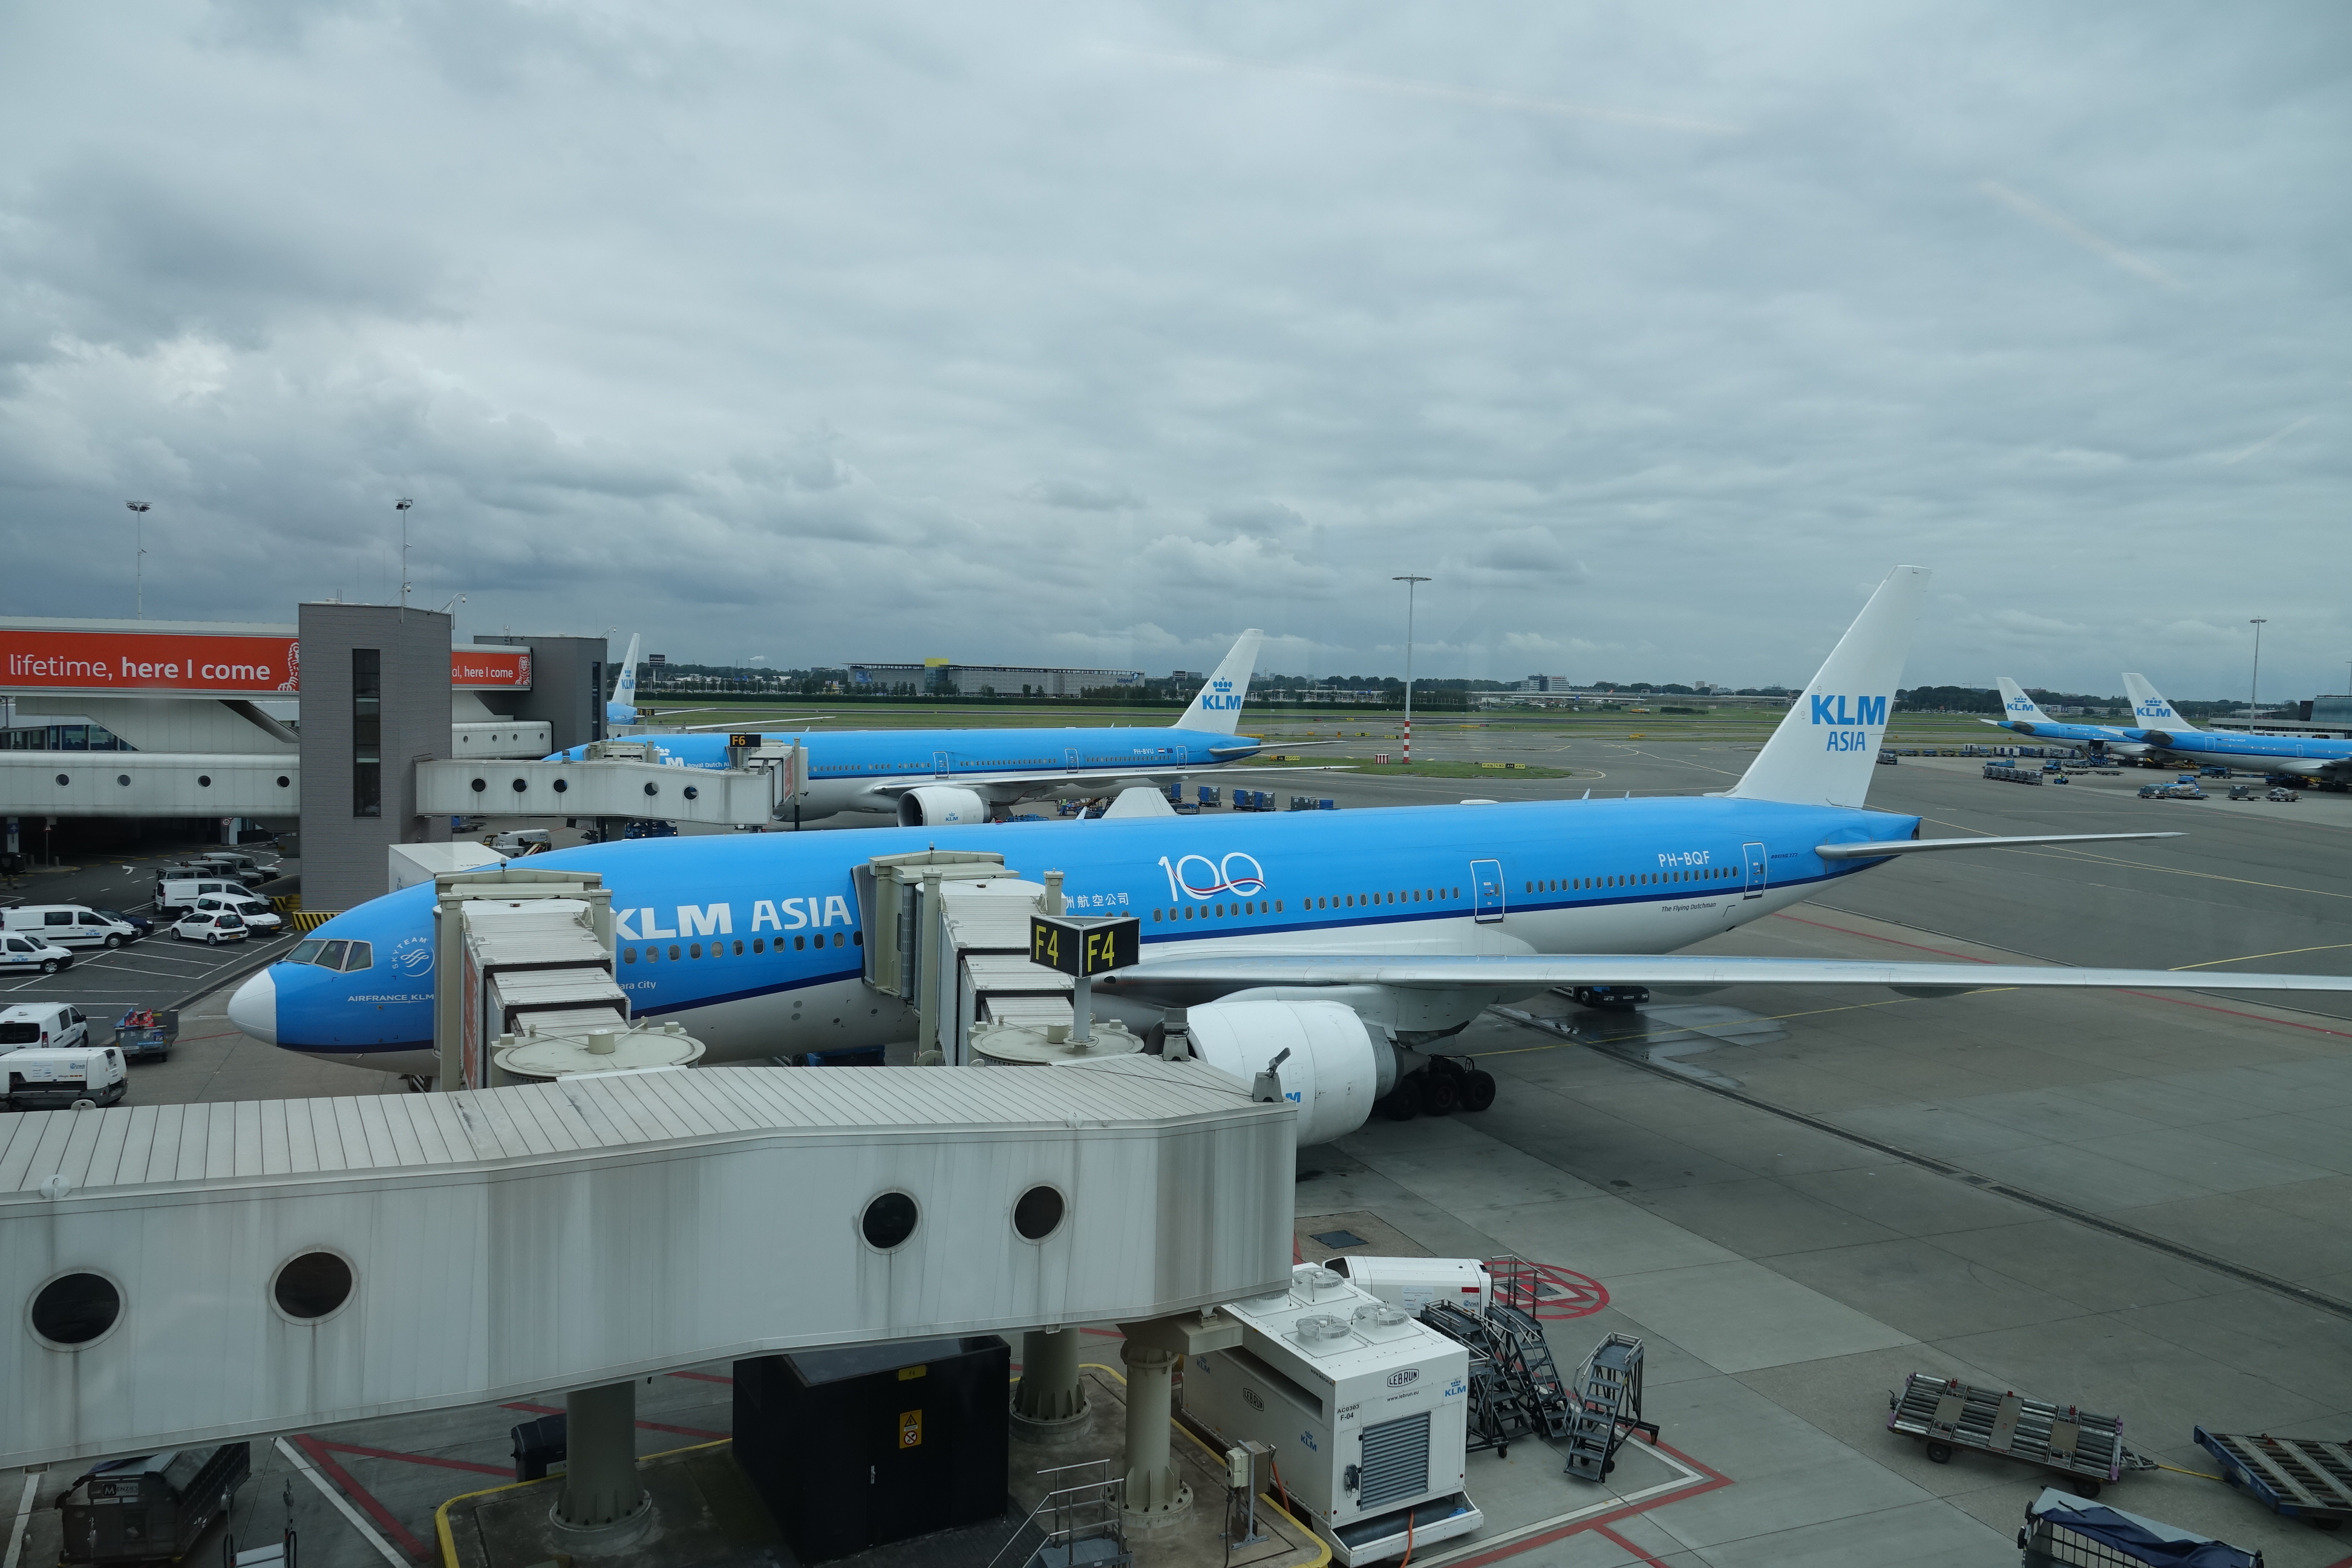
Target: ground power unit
{"type": "Point", "coordinates": [1365, 1409]}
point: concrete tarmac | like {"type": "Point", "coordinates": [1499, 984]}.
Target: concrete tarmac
{"type": "Point", "coordinates": [2139, 1205]}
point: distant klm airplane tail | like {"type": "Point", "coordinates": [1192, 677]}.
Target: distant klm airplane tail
{"type": "Point", "coordinates": [2016, 706]}
{"type": "Point", "coordinates": [2149, 710]}
{"type": "Point", "coordinates": [1825, 747]}
{"type": "Point", "coordinates": [623, 707]}
{"type": "Point", "coordinates": [1219, 706]}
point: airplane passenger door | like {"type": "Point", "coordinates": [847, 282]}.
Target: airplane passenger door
{"type": "Point", "coordinates": [1755, 853]}
{"type": "Point", "coordinates": [1070, 758]}
{"type": "Point", "coordinates": [939, 768]}
{"type": "Point", "coordinates": [1487, 890]}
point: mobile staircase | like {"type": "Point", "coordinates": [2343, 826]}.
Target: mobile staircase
{"type": "Point", "coordinates": [1609, 1407]}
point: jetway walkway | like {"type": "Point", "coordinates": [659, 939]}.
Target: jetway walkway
{"type": "Point", "coordinates": [178, 1275]}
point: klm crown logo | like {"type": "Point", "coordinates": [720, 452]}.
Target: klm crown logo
{"type": "Point", "coordinates": [1220, 694]}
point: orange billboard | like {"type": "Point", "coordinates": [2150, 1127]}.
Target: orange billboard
{"type": "Point", "coordinates": [151, 663]}
{"type": "Point", "coordinates": [161, 664]}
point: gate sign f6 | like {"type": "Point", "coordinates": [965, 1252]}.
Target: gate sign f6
{"type": "Point", "coordinates": [1085, 948]}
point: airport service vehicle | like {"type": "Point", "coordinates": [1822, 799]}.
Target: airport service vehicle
{"type": "Point", "coordinates": [2212, 771]}
{"type": "Point", "coordinates": [22, 952]}
{"type": "Point", "coordinates": [244, 867]}
{"type": "Point", "coordinates": [141, 926]}
{"type": "Point", "coordinates": [2182, 792]}
{"type": "Point", "coordinates": [68, 925]}
{"type": "Point", "coordinates": [2149, 792]}
{"type": "Point", "coordinates": [521, 841]}
{"type": "Point", "coordinates": [178, 892]}
{"type": "Point", "coordinates": [152, 1509]}
{"type": "Point", "coordinates": [2241, 792]}
{"type": "Point", "coordinates": [648, 827]}
{"type": "Point", "coordinates": [49, 1026]}
{"type": "Point", "coordinates": [2284, 795]}
{"type": "Point", "coordinates": [255, 913]}
{"type": "Point", "coordinates": [1360, 941]}
{"type": "Point", "coordinates": [211, 927]}
{"type": "Point", "coordinates": [51, 1078]}
{"type": "Point", "coordinates": [929, 778]}
{"type": "Point", "coordinates": [144, 1031]}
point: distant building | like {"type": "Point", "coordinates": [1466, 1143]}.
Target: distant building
{"type": "Point", "coordinates": [934, 676]}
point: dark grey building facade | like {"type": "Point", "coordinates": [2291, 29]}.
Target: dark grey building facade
{"type": "Point", "coordinates": [376, 702]}
{"type": "Point", "coordinates": [571, 679]}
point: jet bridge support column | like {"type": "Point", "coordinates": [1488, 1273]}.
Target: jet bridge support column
{"type": "Point", "coordinates": [1049, 1402]}
{"type": "Point", "coordinates": [602, 1501]}
{"type": "Point", "coordinates": [1155, 1492]}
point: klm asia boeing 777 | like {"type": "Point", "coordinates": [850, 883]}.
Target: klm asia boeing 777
{"type": "Point", "coordinates": [1360, 941]}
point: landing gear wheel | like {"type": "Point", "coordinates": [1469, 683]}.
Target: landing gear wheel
{"type": "Point", "coordinates": [1941, 1453]}
{"type": "Point", "coordinates": [1478, 1090]}
{"type": "Point", "coordinates": [2085, 1487]}
{"type": "Point", "coordinates": [1402, 1102]}
{"type": "Point", "coordinates": [1440, 1093]}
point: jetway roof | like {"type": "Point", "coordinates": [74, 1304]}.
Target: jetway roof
{"type": "Point", "coordinates": [144, 1146]}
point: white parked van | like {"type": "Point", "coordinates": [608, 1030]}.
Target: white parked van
{"type": "Point", "coordinates": [20, 951]}
{"type": "Point", "coordinates": [255, 913]}
{"type": "Point", "coordinates": [51, 1079]}
{"type": "Point", "coordinates": [47, 1025]}
{"type": "Point", "coordinates": [68, 925]}
{"type": "Point", "coordinates": [180, 892]}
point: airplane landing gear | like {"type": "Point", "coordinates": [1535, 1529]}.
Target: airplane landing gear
{"type": "Point", "coordinates": [1445, 1085]}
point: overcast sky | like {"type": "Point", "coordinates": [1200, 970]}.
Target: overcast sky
{"type": "Point", "coordinates": [1093, 334]}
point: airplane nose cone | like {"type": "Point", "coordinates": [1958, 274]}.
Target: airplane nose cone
{"type": "Point", "coordinates": [254, 1008]}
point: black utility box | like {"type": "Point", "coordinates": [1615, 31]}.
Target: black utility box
{"type": "Point", "coordinates": [542, 1447]}
{"type": "Point", "coordinates": [858, 1447]}
{"type": "Point", "coordinates": [152, 1509]}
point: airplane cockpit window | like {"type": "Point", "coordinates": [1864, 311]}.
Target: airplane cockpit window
{"type": "Point", "coordinates": [361, 956]}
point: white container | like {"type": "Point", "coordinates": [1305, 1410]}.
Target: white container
{"type": "Point", "coordinates": [1367, 1411]}
{"type": "Point", "coordinates": [1414, 1283]}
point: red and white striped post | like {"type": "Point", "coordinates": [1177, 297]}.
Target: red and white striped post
{"type": "Point", "coordinates": [1410, 584]}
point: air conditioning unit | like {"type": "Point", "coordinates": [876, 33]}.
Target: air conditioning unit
{"type": "Point", "coordinates": [1366, 1410]}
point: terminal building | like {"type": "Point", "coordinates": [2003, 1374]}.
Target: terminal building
{"type": "Point", "coordinates": [939, 677]}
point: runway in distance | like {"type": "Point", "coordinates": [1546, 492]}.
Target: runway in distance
{"type": "Point", "coordinates": [1361, 940]}
{"type": "Point", "coordinates": [942, 778]}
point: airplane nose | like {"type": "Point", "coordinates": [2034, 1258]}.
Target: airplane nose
{"type": "Point", "coordinates": [254, 1008]}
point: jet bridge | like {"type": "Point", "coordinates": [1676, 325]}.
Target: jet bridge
{"type": "Point", "coordinates": [619, 780]}
{"type": "Point", "coordinates": [188, 1274]}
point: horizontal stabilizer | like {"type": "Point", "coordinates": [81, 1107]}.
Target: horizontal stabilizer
{"type": "Point", "coordinates": [1139, 800]}
{"type": "Point", "coordinates": [1920, 846]}
{"type": "Point", "coordinates": [1532, 971]}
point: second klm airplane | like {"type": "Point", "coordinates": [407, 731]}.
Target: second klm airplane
{"type": "Point", "coordinates": [1357, 942]}
{"type": "Point", "coordinates": [942, 778]}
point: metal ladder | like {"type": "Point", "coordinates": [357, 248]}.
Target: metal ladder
{"type": "Point", "coordinates": [1608, 1406]}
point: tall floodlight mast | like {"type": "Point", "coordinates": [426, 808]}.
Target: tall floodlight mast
{"type": "Point", "coordinates": [139, 557]}
{"type": "Point", "coordinates": [1410, 584]}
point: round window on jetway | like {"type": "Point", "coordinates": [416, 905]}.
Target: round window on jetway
{"type": "Point", "coordinates": [283, 781]}
{"type": "Point", "coordinates": [122, 778]}
{"type": "Point", "coordinates": [653, 789]}
{"type": "Point", "coordinates": [312, 1285]}
{"type": "Point", "coordinates": [692, 793]}
{"type": "Point", "coordinates": [75, 1308]}
{"type": "Point", "coordinates": [520, 786]}
{"type": "Point", "coordinates": [203, 780]}
{"type": "Point", "coordinates": [65, 778]}
{"type": "Point", "coordinates": [888, 1221]}
{"type": "Point", "coordinates": [561, 785]}
{"type": "Point", "coordinates": [481, 784]}
{"type": "Point", "coordinates": [1038, 1214]}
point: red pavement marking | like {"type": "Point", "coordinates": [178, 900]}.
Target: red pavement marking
{"type": "Point", "coordinates": [1891, 941]}
{"type": "Point", "coordinates": [1583, 1295]}
{"type": "Point", "coordinates": [1716, 1480]}
{"type": "Point", "coordinates": [359, 1494]}
{"type": "Point", "coordinates": [507, 1470]}
{"type": "Point", "coordinates": [703, 1376]}
{"type": "Point", "coordinates": [1604, 1530]}
{"type": "Point", "coordinates": [2221, 985]}
{"type": "Point", "coordinates": [642, 1425]}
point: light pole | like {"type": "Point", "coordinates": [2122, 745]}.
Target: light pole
{"type": "Point", "coordinates": [139, 560]}
{"type": "Point", "coordinates": [2255, 684]}
{"type": "Point", "coordinates": [402, 506]}
{"type": "Point", "coordinates": [1411, 584]}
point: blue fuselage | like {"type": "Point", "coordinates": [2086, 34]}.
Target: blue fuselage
{"type": "Point", "coordinates": [755, 942]}
{"type": "Point", "coordinates": [2255, 753]}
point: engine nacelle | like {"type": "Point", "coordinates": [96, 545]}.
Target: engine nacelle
{"type": "Point", "coordinates": [940, 805]}
{"type": "Point", "coordinates": [1339, 1064]}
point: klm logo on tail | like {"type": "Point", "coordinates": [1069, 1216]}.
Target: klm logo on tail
{"type": "Point", "coordinates": [1850, 720]}
{"type": "Point", "coordinates": [2020, 704]}
{"type": "Point", "coordinates": [2153, 709]}
{"type": "Point", "coordinates": [1220, 696]}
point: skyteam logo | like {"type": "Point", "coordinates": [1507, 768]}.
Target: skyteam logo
{"type": "Point", "coordinates": [1220, 695]}
{"type": "Point", "coordinates": [411, 957]}
{"type": "Point", "coordinates": [1850, 720]}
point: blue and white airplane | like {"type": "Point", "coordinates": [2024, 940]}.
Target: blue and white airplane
{"type": "Point", "coordinates": [2021, 714]}
{"type": "Point", "coordinates": [1361, 940]}
{"type": "Point", "coordinates": [943, 778]}
{"type": "Point", "coordinates": [623, 707]}
{"type": "Point", "coordinates": [2170, 738]}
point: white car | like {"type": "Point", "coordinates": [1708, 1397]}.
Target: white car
{"type": "Point", "coordinates": [256, 913]}
{"type": "Point", "coordinates": [212, 927]}
{"type": "Point", "coordinates": [44, 1025]}
{"type": "Point", "coordinates": [21, 951]}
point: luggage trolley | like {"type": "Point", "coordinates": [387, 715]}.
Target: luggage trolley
{"type": "Point", "coordinates": [1947, 1413]}
{"type": "Point", "coordinates": [2299, 1478]}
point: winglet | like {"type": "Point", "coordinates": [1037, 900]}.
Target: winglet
{"type": "Point", "coordinates": [1218, 708]}
{"type": "Point", "coordinates": [1826, 745]}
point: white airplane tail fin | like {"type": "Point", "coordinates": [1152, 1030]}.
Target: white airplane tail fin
{"type": "Point", "coordinates": [1219, 706]}
{"type": "Point", "coordinates": [2016, 706]}
{"type": "Point", "coordinates": [623, 707]}
{"type": "Point", "coordinates": [1825, 747]}
{"type": "Point", "coordinates": [2149, 710]}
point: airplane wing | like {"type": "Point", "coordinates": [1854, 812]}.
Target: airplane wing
{"type": "Point", "coordinates": [1920, 846]}
{"type": "Point", "coordinates": [762, 726]}
{"type": "Point", "coordinates": [1536, 972]}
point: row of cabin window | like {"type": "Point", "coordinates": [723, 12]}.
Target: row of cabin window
{"type": "Point", "coordinates": [1636, 879]}
{"type": "Point", "coordinates": [1343, 901]}
{"type": "Point", "coordinates": [759, 944]}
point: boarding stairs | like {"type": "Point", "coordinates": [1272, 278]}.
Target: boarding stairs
{"type": "Point", "coordinates": [1516, 1390]}
{"type": "Point", "coordinates": [1609, 1407]}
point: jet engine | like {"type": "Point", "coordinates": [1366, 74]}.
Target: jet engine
{"type": "Point", "coordinates": [1339, 1064]}
{"type": "Point", "coordinates": [940, 805]}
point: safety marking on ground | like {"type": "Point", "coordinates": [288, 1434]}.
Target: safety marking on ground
{"type": "Point", "coordinates": [24, 1514]}
{"type": "Point", "coordinates": [1692, 1479]}
{"type": "Point", "coordinates": [1563, 1293]}
{"type": "Point", "coordinates": [342, 1504]}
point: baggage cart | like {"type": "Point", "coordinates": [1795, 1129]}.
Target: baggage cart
{"type": "Point", "coordinates": [1946, 1414]}
{"type": "Point", "coordinates": [2301, 1478]}
{"type": "Point", "coordinates": [2083, 1534]}
{"type": "Point", "coordinates": [148, 1031]}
